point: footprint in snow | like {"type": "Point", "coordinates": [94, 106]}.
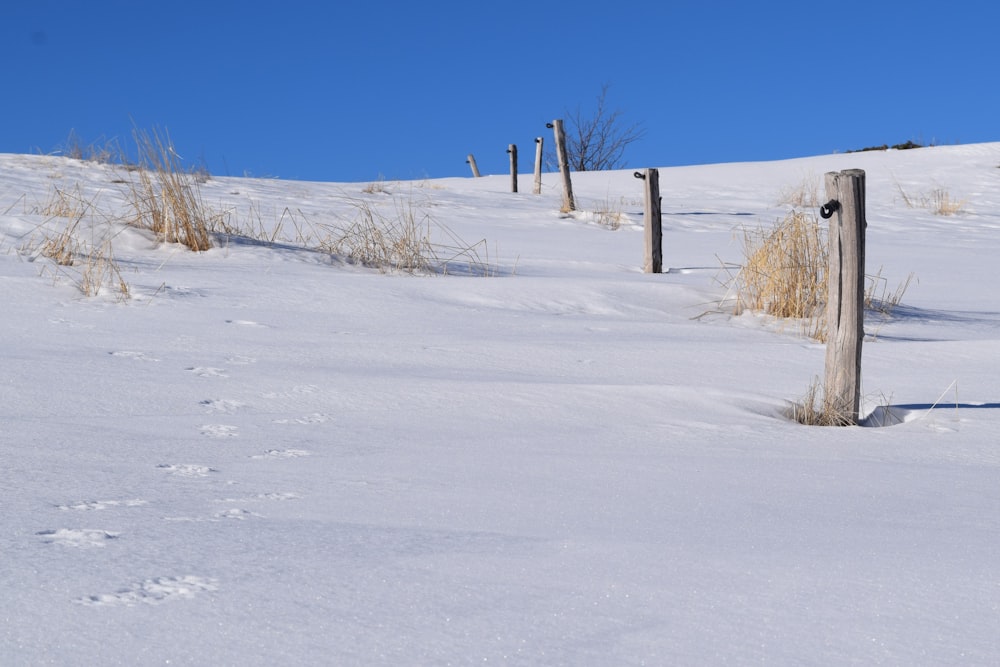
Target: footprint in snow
{"type": "Point", "coordinates": [186, 470]}
{"type": "Point", "coordinates": [222, 405]}
{"type": "Point", "coordinates": [82, 538]}
{"type": "Point", "coordinates": [314, 418]}
{"type": "Point", "coordinates": [219, 430]}
{"type": "Point", "coordinates": [86, 505]}
{"type": "Point", "coordinates": [208, 371]}
{"type": "Point", "coordinates": [138, 356]}
{"type": "Point", "coordinates": [282, 454]}
{"type": "Point", "coordinates": [153, 591]}
{"type": "Point", "coordinates": [288, 495]}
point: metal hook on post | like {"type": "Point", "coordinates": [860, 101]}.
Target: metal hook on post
{"type": "Point", "coordinates": [827, 210]}
{"type": "Point", "coordinates": [639, 175]}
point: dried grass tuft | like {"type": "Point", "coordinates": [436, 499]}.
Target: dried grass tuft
{"type": "Point", "coordinates": [785, 270]}
{"type": "Point", "coordinates": [164, 198]}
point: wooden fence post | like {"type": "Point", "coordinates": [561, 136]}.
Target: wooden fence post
{"type": "Point", "coordinates": [512, 149]}
{"type": "Point", "coordinates": [652, 221]}
{"type": "Point", "coordinates": [472, 163]}
{"type": "Point", "coordinates": [845, 308]}
{"type": "Point", "coordinates": [538, 165]}
{"type": "Point", "coordinates": [563, 158]}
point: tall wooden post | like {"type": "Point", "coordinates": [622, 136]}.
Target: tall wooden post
{"type": "Point", "coordinates": [472, 163]}
{"type": "Point", "coordinates": [563, 158]}
{"type": "Point", "coordinates": [538, 165]}
{"type": "Point", "coordinates": [512, 149]}
{"type": "Point", "coordinates": [652, 221]}
{"type": "Point", "coordinates": [845, 302]}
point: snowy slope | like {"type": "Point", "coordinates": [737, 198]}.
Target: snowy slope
{"type": "Point", "coordinates": [270, 456]}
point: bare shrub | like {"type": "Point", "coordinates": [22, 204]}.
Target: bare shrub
{"type": "Point", "coordinates": [598, 141]}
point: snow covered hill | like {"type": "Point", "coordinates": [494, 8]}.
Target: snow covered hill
{"type": "Point", "coordinates": [266, 454]}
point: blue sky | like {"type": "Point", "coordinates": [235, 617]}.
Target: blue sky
{"type": "Point", "coordinates": [353, 90]}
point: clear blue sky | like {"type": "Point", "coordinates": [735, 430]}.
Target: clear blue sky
{"type": "Point", "coordinates": [348, 90]}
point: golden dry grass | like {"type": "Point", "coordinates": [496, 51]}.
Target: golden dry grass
{"type": "Point", "coordinates": [164, 198]}
{"type": "Point", "coordinates": [785, 270]}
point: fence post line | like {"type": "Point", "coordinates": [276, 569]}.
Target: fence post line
{"type": "Point", "coordinates": [563, 158]}
{"type": "Point", "coordinates": [512, 149]}
{"type": "Point", "coordinates": [472, 163]}
{"type": "Point", "coordinates": [652, 221]}
{"type": "Point", "coordinates": [845, 310]}
{"type": "Point", "coordinates": [538, 165]}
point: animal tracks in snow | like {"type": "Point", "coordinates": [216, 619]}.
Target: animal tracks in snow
{"type": "Point", "coordinates": [137, 356]}
{"type": "Point", "coordinates": [208, 371]}
{"type": "Point", "coordinates": [282, 454]}
{"type": "Point", "coordinates": [262, 496]}
{"type": "Point", "coordinates": [227, 406]}
{"type": "Point", "coordinates": [187, 470]}
{"type": "Point", "coordinates": [82, 538]}
{"type": "Point", "coordinates": [219, 430]}
{"type": "Point", "coordinates": [314, 418]}
{"type": "Point", "coordinates": [153, 591]}
{"type": "Point", "coordinates": [235, 513]}
{"type": "Point", "coordinates": [89, 505]}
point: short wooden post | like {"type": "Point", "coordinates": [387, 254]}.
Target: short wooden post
{"type": "Point", "coordinates": [538, 165]}
{"type": "Point", "coordinates": [845, 302]}
{"type": "Point", "coordinates": [472, 163]}
{"type": "Point", "coordinates": [563, 158]}
{"type": "Point", "coordinates": [652, 221]}
{"type": "Point", "coordinates": [512, 149]}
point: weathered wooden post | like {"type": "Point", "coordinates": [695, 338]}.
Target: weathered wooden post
{"type": "Point", "coordinates": [472, 163]}
{"type": "Point", "coordinates": [563, 158]}
{"type": "Point", "coordinates": [652, 221]}
{"type": "Point", "coordinates": [512, 149]}
{"type": "Point", "coordinates": [538, 165]}
{"type": "Point", "coordinates": [845, 301]}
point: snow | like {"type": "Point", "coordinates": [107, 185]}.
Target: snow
{"type": "Point", "coordinates": [269, 455]}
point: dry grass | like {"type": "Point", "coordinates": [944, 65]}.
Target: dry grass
{"type": "Point", "coordinates": [785, 270]}
{"type": "Point", "coordinates": [878, 298]}
{"type": "Point", "coordinates": [164, 198]}
{"type": "Point", "coordinates": [610, 214]}
{"type": "Point", "coordinates": [404, 240]}
{"type": "Point", "coordinates": [389, 243]}
{"type": "Point", "coordinates": [803, 195]}
{"type": "Point", "coordinates": [816, 410]}
{"type": "Point", "coordinates": [89, 264]}
{"type": "Point", "coordinates": [938, 201]}
{"type": "Point", "coordinates": [784, 275]}
{"type": "Point", "coordinates": [377, 187]}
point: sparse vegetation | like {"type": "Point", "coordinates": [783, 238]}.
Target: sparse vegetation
{"type": "Point", "coordinates": [884, 147]}
{"type": "Point", "coordinates": [785, 275]}
{"type": "Point", "coordinates": [598, 141]}
{"type": "Point", "coordinates": [89, 264]}
{"type": "Point", "coordinates": [815, 409]}
{"type": "Point", "coordinates": [610, 214]}
{"type": "Point", "coordinates": [785, 270]}
{"type": "Point", "coordinates": [803, 195]}
{"type": "Point", "coordinates": [938, 201]}
{"type": "Point", "coordinates": [165, 199]}
{"type": "Point", "coordinates": [402, 241]}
